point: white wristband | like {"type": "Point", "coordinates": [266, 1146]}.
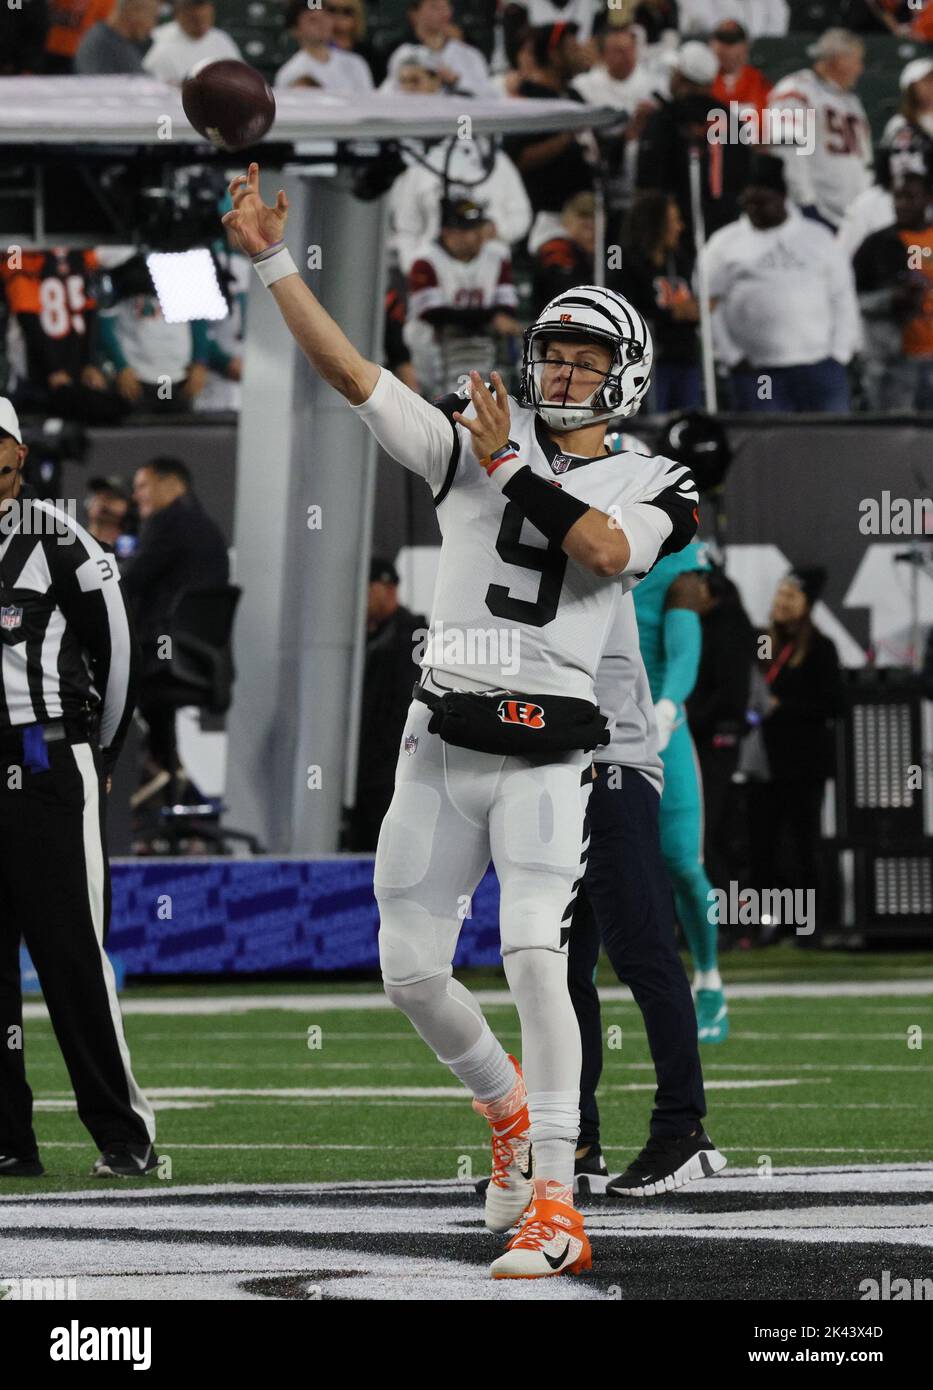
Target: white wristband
{"type": "Point", "coordinates": [274, 264]}
{"type": "Point", "coordinates": [502, 472]}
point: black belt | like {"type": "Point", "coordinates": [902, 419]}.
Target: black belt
{"type": "Point", "coordinates": [55, 731]}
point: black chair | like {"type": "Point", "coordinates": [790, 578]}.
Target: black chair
{"type": "Point", "coordinates": [200, 672]}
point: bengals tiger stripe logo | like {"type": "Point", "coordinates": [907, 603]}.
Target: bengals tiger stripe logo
{"type": "Point", "coordinates": [520, 712]}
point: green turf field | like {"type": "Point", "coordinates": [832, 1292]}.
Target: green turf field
{"type": "Point", "coordinates": [242, 1097]}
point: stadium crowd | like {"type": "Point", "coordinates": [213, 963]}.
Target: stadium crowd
{"type": "Point", "coordinates": [802, 201]}
{"type": "Point", "coordinates": [818, 261]}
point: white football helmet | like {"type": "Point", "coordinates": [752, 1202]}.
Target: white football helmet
{"type": "Point", "coordinates": [593, 312]}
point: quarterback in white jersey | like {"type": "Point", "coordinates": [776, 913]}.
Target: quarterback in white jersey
{"type": "Point", "coordinates": [833, 166]}
{"type": "Point", "coordinates": [495, 763]}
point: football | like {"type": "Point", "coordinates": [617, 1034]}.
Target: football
{"type": "Point", "coordinates": [229, 103]}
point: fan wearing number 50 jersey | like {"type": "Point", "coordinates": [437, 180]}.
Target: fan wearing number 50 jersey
{"type": "Point", "coordinates": [543, 530]}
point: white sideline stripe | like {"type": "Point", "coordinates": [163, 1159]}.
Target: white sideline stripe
{"type": "Point", "coordinates": [169, 1149]}
{"type": "Point", "coordinates": [339, 1035]}
{"type": "Point", "coordinates": [63, 1104]}
{"type": "Point", "coordinates": [95, 870]}
{"type": "Point", "coordinates": [457, 1093]}
{"type": "Point", "coordinates": [856, 1177]}
{"type": "Point", "coordinates": [329, 1003]}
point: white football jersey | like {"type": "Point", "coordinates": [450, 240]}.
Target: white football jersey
{"type": "Point", "coordinates": [438, 280]}
{"type": "Point", "coordinates": [839, 166]}
{"type": "Point", "coordinates": [624, 697]}
{"type": "Point", "coordinates": [512, 610]}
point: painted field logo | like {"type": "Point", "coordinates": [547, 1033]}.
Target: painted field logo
{"type": "Point", "coordinates": [77, 1343]}
{"type": "Point", "coordinates": [520, 712]}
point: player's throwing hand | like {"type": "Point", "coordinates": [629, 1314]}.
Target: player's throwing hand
{"type": "Point", "coordinates": [254, 224]}
{"type": "Point", "coordinates": [490, 429]}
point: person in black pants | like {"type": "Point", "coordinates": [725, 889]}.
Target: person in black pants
{"type": "Point", "coordinates": [716, 712]}
{"type": "Point", "coordinates": [801, 670]}
{"type": "Point", "coordinates": [390, 673]}
{"type": "Point", "coordinates": [181, 549]}
{"type": "Point", "coordinates": [626, 903]}
{"type": "Point", "coordinates": [66, 698]}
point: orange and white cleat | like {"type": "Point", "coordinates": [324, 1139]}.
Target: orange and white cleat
{"type": "Point", "coordinates": [551, 1239]}
{"type": "Point", "coordinates": [509, 1189]}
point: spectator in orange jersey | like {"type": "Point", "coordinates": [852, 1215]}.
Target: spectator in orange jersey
{"type": "Point", "coordinates": [894, 278]}
{"type": "Point", "coordinates": [69, 21]}
{"type": "Point", "coordinates": [922, 26]}
{"type": "Point", "coordinates": [738, 80]}
{"type": "Point", "coordinates": [566, 259]}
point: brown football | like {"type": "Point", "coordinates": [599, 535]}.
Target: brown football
{"type": "Point", "coordinates": [229, 103]}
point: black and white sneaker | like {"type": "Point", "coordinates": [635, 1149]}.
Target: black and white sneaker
{"type": "Point", "coordinates": [590, 1174]}
{"type": "Point", "coordinates": [666, 1164]}
{"type": "Point", "coordinates": [126, 1161]}
{"type": "Point", "coordinates": [11, 1166]}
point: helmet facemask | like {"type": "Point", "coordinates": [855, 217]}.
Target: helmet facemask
{"type": "Point", "coordinates": [617, 395]}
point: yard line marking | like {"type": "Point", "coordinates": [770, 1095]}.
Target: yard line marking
{"type": "Point", "coordinates": [456, 1093]}
{"type": "Point", "coordinates": [453, 1147]}
{"type": "Point", "coordinates": [494, 998]}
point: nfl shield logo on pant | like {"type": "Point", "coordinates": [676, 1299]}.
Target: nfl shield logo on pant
{"type": "Point", "coordinates": [10, 618]}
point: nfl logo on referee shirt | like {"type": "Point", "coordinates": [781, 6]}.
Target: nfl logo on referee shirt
{"type": "Point", "coordinates": [11, 618]}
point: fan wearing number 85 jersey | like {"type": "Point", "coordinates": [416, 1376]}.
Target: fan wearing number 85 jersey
{"type": "Point", "coordinates": [542, 530]}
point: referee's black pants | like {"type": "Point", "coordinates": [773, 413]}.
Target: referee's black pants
{"type": "Point", "coordinates": [55, 893]}
{"type": "Point", "coordinates": [626, 901]}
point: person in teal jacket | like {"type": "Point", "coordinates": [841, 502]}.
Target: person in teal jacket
{"type": "Point", "coordinates": [667, 604]}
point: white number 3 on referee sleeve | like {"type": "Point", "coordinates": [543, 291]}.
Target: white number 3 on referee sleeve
{"type": "Point", "coordinates": [96, 572]}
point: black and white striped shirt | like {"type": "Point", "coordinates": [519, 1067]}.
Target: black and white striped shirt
{"type": "Point", "coordinates": [66, 646]}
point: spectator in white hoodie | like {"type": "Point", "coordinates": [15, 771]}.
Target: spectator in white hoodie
{"type": "Point", "coordinates": [785, 313]}
{"type": "Point", "coordinates": [479, 171]}
{"type": "Point", "coordinates": [188, 39]}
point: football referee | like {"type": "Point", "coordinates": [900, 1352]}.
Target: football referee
{"type": "Point", "coordinates": [67, 668]}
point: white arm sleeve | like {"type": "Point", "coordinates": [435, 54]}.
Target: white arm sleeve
{"type": "Point", "coordinates": [414, 432]}
{"type": "Point", "coordinates": [646, 528]}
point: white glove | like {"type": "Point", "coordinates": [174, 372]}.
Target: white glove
{"type": "Point", "coordinates": [665, 712]}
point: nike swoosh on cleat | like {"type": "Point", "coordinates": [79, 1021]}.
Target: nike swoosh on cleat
{"type": "Point", "coordinates": [555, 1261]}
{"type": "Point", "coordinates": [529, 1170]}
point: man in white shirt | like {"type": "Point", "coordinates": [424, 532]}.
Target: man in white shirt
{"type": "Point", "coordinates": [836, 164]}
{"type": "Point", "coordinates": [785, 313]}
{"type": "Point", "coordinates": [461, 291]}
{"type": "Point", "coordinates": [619, 80]}
{"type": "Point", "coordinates": [188, 39]}
{"type": "Point", "coordinates": [318, 63]}
{"type": "Point", "coordinates": [463, 67]}
{"type": "Point", "coordinates": [477, 170]}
